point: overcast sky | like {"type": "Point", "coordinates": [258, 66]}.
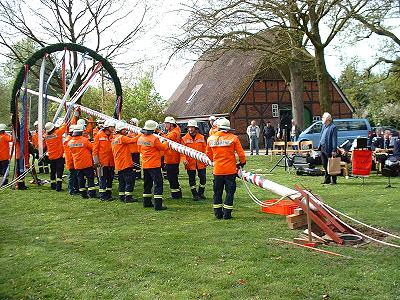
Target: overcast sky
{"type": "Point", "coordinates": [165, 21]}
{"type": "Point", "coordinates": [168, 78]}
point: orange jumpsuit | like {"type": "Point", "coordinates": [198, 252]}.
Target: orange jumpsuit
{"type": "Point", "coordinates": [198, 143]}
{"type": "Point", "coordinates": [124, 166]}
{"type": "Point", "coordinates": [150, 147]}
{"type": "Point", "coordinates": [55, 152]}
{"type": "Point", "coordinates": [103, 151]}
{"type": "Point", "coordinates": [221, 149]}
{"type": "Point", "coordinates": [5, 140]}
{"type": "Point", "coordinates": [172, 159]}
{"type": "Point", "coordinates": [135, 156]}
{"type": "Point", "coordinates": [81, 151]}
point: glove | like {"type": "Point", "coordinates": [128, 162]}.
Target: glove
{"type": "Point", "coordinates": [240, 165]}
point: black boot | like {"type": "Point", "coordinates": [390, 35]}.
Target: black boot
{"type": "Point", "coordinates": [147, 202]}
{"type": "Point", "coordinates": [84, 195]}
{"type": "Point", "coordinates": [201, 193]}
{"type": "Point", "coordinates": [53, 186]}
{"type": "Point", "coordinates": [130, 199]}
{"type": "Point", "coordinates": [59, 186]}
{"type": "Point", "coordinates": [194, 193]}
{"type": "Point", "coordinates": [158, 204]}
{"type": "Point", "coordinates": [22, 186]}
{"type": "Point", "coordinates": [218, 213]}
{"type": "Point", "coordinates": [227, 214]}
{"type": "Point", "coordinates": [92, 194]}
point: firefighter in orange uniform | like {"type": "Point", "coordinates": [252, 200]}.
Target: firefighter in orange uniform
{"type": "Point", "coordinates": [123, 162]}
{"type": "Point", "coordinates": [172, 158]}
{"type": "Point", "coordinates": [100, 124]}
{"type": "Point", "coordinates": [104, 160]}
{"type": "Point", "coordinates": [213, 128]}
{"type": "Point", "coordinates": [43, 164]}
{"type": "Point", "coordinates": [73, 187]}
{"type": "Point", "coordinates": [150, 147]}
{"type": "Point", "coordinates": [81, 151]}
{"type": "Point", "coordinates": [135, 151]}
{"type": "Point", "coordinates": [193, 139]}
{"type": "Point", "coordinates": [221, 149]}
{"type": "Point", "coordinates": [55, 152]}
{"type": "Point", "coordinates": [5, 156]}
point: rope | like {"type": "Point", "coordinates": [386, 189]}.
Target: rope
{"type": "Point", "coordinates": [22, 175]}
{"type": "Point", "coordinates": [360, 233]}
{"type": "Point", "coordinates": [255, 199]}
{"type": "Point", "coordinates": [361, 223]}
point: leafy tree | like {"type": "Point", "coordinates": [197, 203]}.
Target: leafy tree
{"type": "Point", "coordinates": [141, 101]}
{"type": "Point", "coordinates": [376, 96]}
{"type": "Point", "coordinates": [95, 23]}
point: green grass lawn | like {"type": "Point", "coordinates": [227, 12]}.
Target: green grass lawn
{"type": "Point", "coordinates": [56, 246]}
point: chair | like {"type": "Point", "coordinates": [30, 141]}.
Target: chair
{"type": "Point", "coordinates": [306, 146]}
{"type": "Point", "coordinates": [292, 147]}
{"type": "Point", "coordinates": [278, 148]}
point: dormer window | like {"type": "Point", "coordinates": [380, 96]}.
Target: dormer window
{"type": "Point", "coordinates": [194, 93]}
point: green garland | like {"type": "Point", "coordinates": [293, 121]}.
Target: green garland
{"type": "Point", "coordinates": [60, 47]}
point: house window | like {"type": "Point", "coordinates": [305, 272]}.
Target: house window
{"type": "Point", "coordinates": [275, 111]}
{"type": "Point", "coordinates": [194, 93]}
{"type": "Point", "coordinates": [316, 118]}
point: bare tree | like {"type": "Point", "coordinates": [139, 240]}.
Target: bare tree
{"type": "Point", "coordinates": [303, 19]}
{"type": "Point", "coordinates": [215, 27]}
{"type": "Point", "coordinates": [375, 18]}
{"type": "Point", "coordinates": [109, 27]}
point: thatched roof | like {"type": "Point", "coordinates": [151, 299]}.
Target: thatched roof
{"type": "Point", "coordinates": [215, 86]}
{"type": "Point", "coordinates": [219, 84]}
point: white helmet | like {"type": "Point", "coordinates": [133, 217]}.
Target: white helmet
{"type": "Point", "coordinates": [192, 123]}
{"type": "Point", "coordinates": [81, 122]}
{"type": "Point", "coordinates": [78, 128]}
{"type": "Point", "coordinates": [109, 123]}
{"type": "Point", "coordinates": [170, 120]}
{"type": "Point", "coordinates": [150, 125]}
{"type": "Point", "coordinates": [36, 123]}
{"type": "Point", "coordinates": [134, 121]}
{"type": "Point", "coordinates": [212, 118]}
{"type": "Point", "coordinates": [71, 128]}
{"type": "Point", "coordinates": [120, 126]}
{"type": "Point", "coordinates": [3, 127]}
{"type": "Point", "coordinates": [49, 127]}
{"type": "Point", "coordinates": [223, 124]}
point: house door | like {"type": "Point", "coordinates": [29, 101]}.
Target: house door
{"type": "Point", "coordinates": [307, 117]}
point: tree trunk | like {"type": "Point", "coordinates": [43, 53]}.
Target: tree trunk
{"type": "Point", "coordinates": [323, 80]}
{"type": "Point", "coordinates": [296, 88]}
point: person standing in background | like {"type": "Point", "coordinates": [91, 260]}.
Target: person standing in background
{"type": "Point", "coordinates": [268, 133]}
{"type": "Point", "coordinates": [253, 131]}
{"type": "Point", "coordinates": [328, 145]}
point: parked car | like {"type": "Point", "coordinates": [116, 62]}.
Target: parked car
{"type": "Point", "coordinates": [348, 129]}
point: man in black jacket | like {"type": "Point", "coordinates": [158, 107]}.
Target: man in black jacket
{"type": "Point", "coordinates": [269, 134]}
